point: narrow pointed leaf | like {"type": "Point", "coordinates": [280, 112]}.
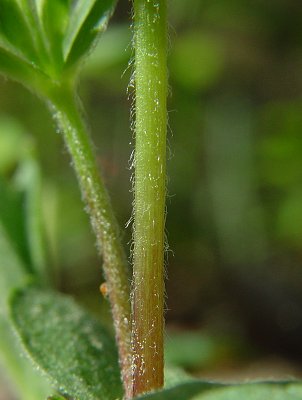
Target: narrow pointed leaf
{"type": "Point", "coordinates": [14, 29]}
{"type": "Point", "coordinates": [28, 182]}
{"type": "Point", "coordinates": [13, 271]}
{"type": "Point", "coordinates": [32, 10]}
{"type": "Point", "coordinates": [14, 67]}
{"type": "Point", "coordinates": [21, 71]}
{"type": "Point", "coordinates": [55, 15]}
{"type": "Point", "coordinates": [12, 229]}
{"type": "Point", "coordinates": [67, 344]}
{"type": "Point", "coordinates": [20, 197]}
{"type": "Point", "coordinates": [87, 20]}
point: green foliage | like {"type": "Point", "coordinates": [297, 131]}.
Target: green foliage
{"type": "Point", "coordinates": [20, 205]}
{"type": "Point", "coordinates": [14, 272]}
{"type": "Point", "coordinates": [198, 390]}
{"type": "Point", "coordinates": [88, 18]}
{"type": "Point", "coordinates": [43, 52]}
{"type": "Point", "coordinates": [72, 348]}
{"type": "Point", "coordinates": [42, 44]}
{"type": "Point", "coordinates": [43, 41]}
{"type": "Point", "coordinates": [57, 397]}
{"type": "Point", "coordinates": [13, 221]}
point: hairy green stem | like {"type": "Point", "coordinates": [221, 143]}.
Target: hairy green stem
{"type": "Point", "coordinates": [150, 44]}
{"type": "Point", "coordinates": [67, 112]}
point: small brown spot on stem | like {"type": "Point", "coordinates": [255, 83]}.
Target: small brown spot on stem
{"type": "Point", "coordinates": [104, 289]}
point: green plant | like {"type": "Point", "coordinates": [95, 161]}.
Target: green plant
{"type": "Point", "coordinates": [42, 44]}
{"type": "Point", "coordinates": [149, 194]}
{"type": "Point", "coordinates": [43, 51]}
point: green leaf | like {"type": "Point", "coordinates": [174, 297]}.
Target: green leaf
{"type": "Point", "coordinates": [87, 20]}
{"type": "Point", "coordinates": [72, 348]}
{"type": "Point", "coordinates": [175, 375]}
{"type": "Point", "coordinates": [13, 274]}
{"type": "Point", "coordinates": [12, 225]}
{"type": "Point", "coordinates": [25, 382]}
{"type": "Point", "coordinates": [14, 29]}
{"type": "Point", "coordinates": [20, 197]}
{"type": "Point", "coordinates": [199, 390]}
{"type": "Point", "coordinates": [19, 69]}
{"type": "Point", "coordinates": [29, 181]}
{"type": "Point", "coordinates": [55, 27]}
{"type": "Point", "coordinates": [42, 41]}
{"type": "Point", "coordinates": [182, 391]}
{"type": "Point", "coordinates": [58, 397]}
{"type": "Point", "coordinates": [257, 391]}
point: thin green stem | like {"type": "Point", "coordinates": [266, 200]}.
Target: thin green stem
{"type": "Point", "coordinates": [66, 111]}
{"type": "Point", "coordinates": [150, 43]}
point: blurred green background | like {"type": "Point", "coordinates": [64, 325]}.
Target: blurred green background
{"type": "Point", "coordinates": [234, 222]}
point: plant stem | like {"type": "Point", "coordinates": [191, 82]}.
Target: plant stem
{"type": "Point", "coordinates": [66, 111]}
{"type": "Point", "coordinates": [150, 43]}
